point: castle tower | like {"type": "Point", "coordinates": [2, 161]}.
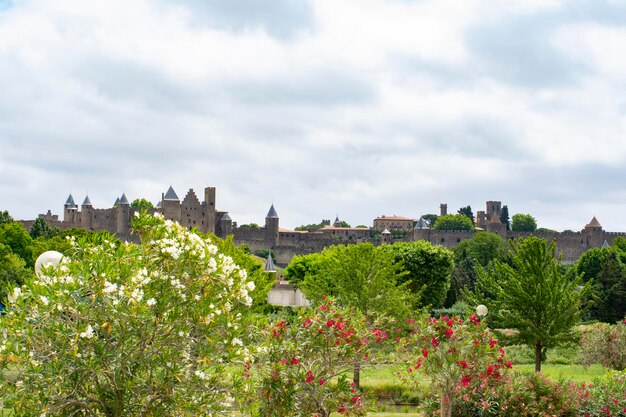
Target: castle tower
{"type": "Point", "coordinates": [443, 209]}
{"type": "Point", "coordinates": [337, 222]}
{"type": "Point", "coordinates": [226, 225]}
{"type": "Point", "coordinates": [493, 207]}
{"type": "Point", "coordinates": [122, 212]}
{"type": "Point", "coordinates": [496, 226]}
{"type": "Point", "coordinates": [386, 237]}
{"type": "Point", "coordinates": [86, 214]}
{"type": "Point", "coordinates": [170, 205]}
{"type": "Point", "coordinates": [271, 227]}
{"type": "Point", "coordinates": [69, 211]}
{"type": "Point", "coordinates": [209, 210]}
{"type": "Point", "coordinates": [593, 233]}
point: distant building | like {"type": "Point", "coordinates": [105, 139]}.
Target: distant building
{"type": "Point", "coordinates": [392, 223]}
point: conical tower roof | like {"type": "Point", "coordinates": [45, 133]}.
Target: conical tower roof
{"type": "Point", "coordinates": [272, 213]}
{"type": "Point", "coordinates": [593, 223]}
{"type": "Point", "coordinates": [87, 201]}
{"type": "Point", "coordinates": [226, 218]}
{"type": "Point", "coordinates": [170, 195]}
{"type": "Point", "coordinates": [117, 202]}
{"type": "Point", "coordinates": [123, 200]}
{"type": "Point", "coordinates": [70, 201]}
{"type": "Point", "coordinates": [421, 224]}
{"type": "Point", "coordinates": [269, 264]}
{"type": "Point", "coordinates": [158, 205]}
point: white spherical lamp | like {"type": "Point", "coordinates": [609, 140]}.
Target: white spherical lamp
{"type": "Point", "coordinates": [47, 259]}
{"type": "Point", "coordinates": [482, 310]}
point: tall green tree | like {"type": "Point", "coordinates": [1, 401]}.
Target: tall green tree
{"type": "Point", "coordinates": [606, 269]}
{"type": "Point", "coordinates": [453, 222]}
{"type": "Point", "coordinates": [363, 277]}
{"type": "Point", "coordinates": [523, 223]}
{"type": "Point", "coordinates": [141, 204]}
{"type": "Point", "coordinates": [504, 217]}
{"type": "Point", "coordinates": [13, 272]}
{"type": "Point", "coordinates": [302, 265]}
{"type": "Point", "coordinates": [41, 228]}
{"type": "Point", "coordinates": [5, 217]}
{"type": "Point", "coordinates": [532, 295]}
{"type": "Point", "coordinates": [17, 238]}
{"type": "Point", "coordinates": [470, 254]}
{"type": "Point", "coordinates": [467, 211]}
{"type": "Point", "coordinates": [430, 218]}
{"type": "Point", "coordinates": [428, 270]}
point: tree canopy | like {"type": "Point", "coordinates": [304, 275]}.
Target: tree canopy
{"type": "Point", "coordinates": [141, 204]}
{"type": "Point", "coordinates": [504, 217]}
{"type": "Point", "coordinates": [467, 211]}
{"type": "Point", "coordinates": [428, 270]}
{"type": "Point", "coordinates": [532, 295]}
{"type": "Point", "coordinates": [606, 269]}
{"type": "Point", "coordinates": [523, 223]}
{"type": "Point", "coordinates": [453, 222]}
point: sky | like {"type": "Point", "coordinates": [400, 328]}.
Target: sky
{"type": "Point", "coordinates": [355, 108]}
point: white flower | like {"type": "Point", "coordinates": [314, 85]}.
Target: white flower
{"type": "Point", "coordinates": [250, 285]}
{"type": "Point", "coordinates": [88, 333]}
{"type": "Point", "coordinates": [109, 288]}
{"type": "Point", "coordinates": [16, 294]}
{"type": "Point", "coordinates": [237, 342]}
{"type": "Point", "coordinates": [44, 299]}
{"type": "Point", "coordinates": [151, 302]}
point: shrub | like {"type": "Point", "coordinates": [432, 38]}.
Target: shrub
{"type": "Point", "coordinates": [604, 344]}
{"type": "Point", "coordinates": [127, 330]}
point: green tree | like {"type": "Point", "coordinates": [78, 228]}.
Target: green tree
{"type": "Point", "coordinates": [428, 270]}
{"type": "Point", "coordinates": [5, 217]}
{"type": "Point", "coordinates": [467, 211]}
{"type": "Point", "coordinates": [453, 222]}
{"type": "Point", "coordinates": [41, 228]}
{"type": "Point", "coordinates": [344, 223]}
{"type": "Point", "coordinates": [532, 295]}
{"type": "Point", "coordinates": [13, 272]}
{"type": "Point", "coordinates": [470, 254]}
{"type": "Point", "coordinates": [17, 238]}
{"type": "Point", "coordinates": [523, 223]}
{"type": "Point", "coordinates": [362, 277]}
{"type": "Point", "coordinates": [605, 268]}
{"type": "Point", "coordinates": [140, 204]}
{"type": "Point", "coordinates": [301, 266]}
{"type": "Point", "coordinates": [504, 217]}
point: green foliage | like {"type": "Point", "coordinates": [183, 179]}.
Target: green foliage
{"type": "Point", "coordinates": [5, 217]}
{"type": "Point", "coordinates": [467, 211]}
{"type": "Point", "coordinates": [545, 230]}
{"type": "Point", "coordinates": [310, 227]}
{"type": "Point", "coordinates": [606, 269]}
{"type": "Point", "coordinates": [504, 217]}
{"type": "Point", "coordinates": [140, 204]}
{"type": "Point", "coordinates": [361, 226]}
{"type": "Point", "coordinates": [453, 222]}
{"type": "Point", "coordinates": [127, 330]}
{"type": "Point", "coordinates": [532, 295]}
{"type": "Point", "coordinates": [301, 266]}
{"type": "Point", "coordinates": [359, 276]}
{"type": "Point", "coordinates": [428, 270]}
{"type": "Point", "coordinates": [13, 272]}
{"type": "Point", "coordinates": [249, 226]}
{"type": "Point", "coordinates": [17, 238]}
{"type": "Point", "coordinates": [265, 253]}
{"type": "Point", "coordinates": [484, 248]}
{"type": "Point", "coordinates": [523, 223]}
{"type": "Point", "coordinates": [41, 228]}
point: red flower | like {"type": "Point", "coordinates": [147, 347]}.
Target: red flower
{"type": "Point", "coordinates": [294, 361]}
{"type": "Point", "coordinates": [324, 308]}
{"type": "Point", "coordinates": [309, 377]}
{"type": "Point", "coordinates": [466, 380]}
{"type": "Point", "coordinates": [322, 381]}
{"type": "Point", "coordinates": [492, 342]}
{"type": "Point", "coordinates": [306, 322]}
{"type": "Point", "coordinates": [425, 353]}
{"type": "Point", "coordinates": [434, 342]}
{"type": "Point", "coordinates": [449, 332]}
{"type": "Point", "coordinates": [462, 364]}
{"type": "Point", "coordinates": [490, 369]}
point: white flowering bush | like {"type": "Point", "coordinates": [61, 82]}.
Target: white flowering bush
{"type": "Point", "coordinates": [121, 329]}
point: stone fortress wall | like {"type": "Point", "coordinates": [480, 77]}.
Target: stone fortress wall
{"type": "Point", "coordinates": [203, 215]}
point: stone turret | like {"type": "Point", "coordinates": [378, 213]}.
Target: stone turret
{"type": "Point", "coordinates": [594, 233]}
{"type": "Point", "coordinates": [226, 225]}
{"type": "Point", "coordinates": [122, 217]}
{"type": "Point", "coordinates": [170, 205]}
{"type": "Point", "coordinates": [86, 214]}
{"type": "Point", "coordinates": [70, 210]}
{"type": "Point", "coordinates": [443, 209]}
{"type": "Point", "coordinates": [271, 227]}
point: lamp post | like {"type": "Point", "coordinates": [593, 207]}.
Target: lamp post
{"type": "Point", "coordinates": [481, 311]}
{"type": "Point", "coordinates": [46, 260]}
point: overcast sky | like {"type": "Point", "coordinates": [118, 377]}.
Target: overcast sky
{"type": "Point", "coordinates": [350, 107]}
